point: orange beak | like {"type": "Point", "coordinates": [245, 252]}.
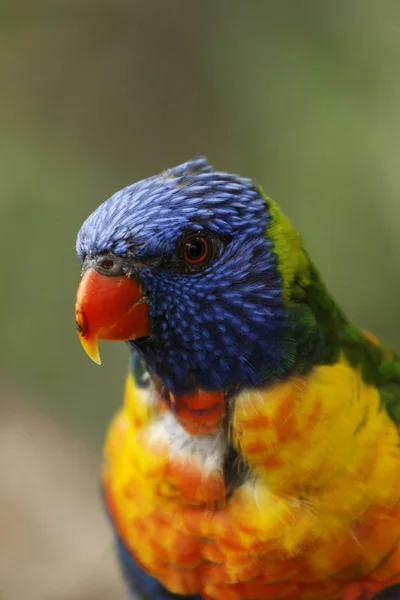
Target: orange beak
{"type": "Point", "coordinates": [109, 308]}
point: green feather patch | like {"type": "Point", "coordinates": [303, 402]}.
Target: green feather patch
{"type": "Point", "coordinates": [321, 329]}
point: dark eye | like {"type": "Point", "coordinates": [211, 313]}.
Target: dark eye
{"type": "Point", "coordinates": [196, 249]}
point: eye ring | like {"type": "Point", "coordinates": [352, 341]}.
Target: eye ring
{"type": "Point", "coordinates": [196, 249]}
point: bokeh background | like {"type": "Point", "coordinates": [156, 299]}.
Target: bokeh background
{"type": "Point", "coordinates": [302, 96]}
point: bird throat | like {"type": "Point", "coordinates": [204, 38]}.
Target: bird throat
{"type": "Point", "coordinates": [199, 412]}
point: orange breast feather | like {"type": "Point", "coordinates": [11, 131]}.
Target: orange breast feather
{"type": "Point", "coordinates": [318, 517]}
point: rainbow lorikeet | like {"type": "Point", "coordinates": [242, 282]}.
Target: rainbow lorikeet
{"type": "Point", "coordinates": [257, 453]}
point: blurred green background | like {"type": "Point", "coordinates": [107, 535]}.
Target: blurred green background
{"type": "Point", "coordinates": [303, 96]}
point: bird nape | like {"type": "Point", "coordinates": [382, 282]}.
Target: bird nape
{"type": "Point", "coordinates": [256, 454]}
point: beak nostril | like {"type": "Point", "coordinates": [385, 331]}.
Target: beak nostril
{"type": "Point", "coordinates": [106, 263]}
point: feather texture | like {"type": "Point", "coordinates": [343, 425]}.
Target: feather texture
{"type": "Point", "coordinates": [322, 506]}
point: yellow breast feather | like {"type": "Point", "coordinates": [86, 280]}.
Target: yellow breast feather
{"type": "Point", "coordinates": [322, 502]}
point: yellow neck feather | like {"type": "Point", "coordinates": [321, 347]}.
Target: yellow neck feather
{"type": "Point", "coordinates": [323, 440]}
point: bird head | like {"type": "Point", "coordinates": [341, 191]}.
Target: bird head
{"type": "Point", "coordinates": [193, 268]}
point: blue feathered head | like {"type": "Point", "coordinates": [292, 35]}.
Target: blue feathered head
{"type": "Point", "coordinates": [181, 266]}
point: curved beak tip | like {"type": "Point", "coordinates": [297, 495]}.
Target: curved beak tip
{"type": "Point", "coordinates": [91, 347]}
{"type": "Point", "coordinates": [89, 344]}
